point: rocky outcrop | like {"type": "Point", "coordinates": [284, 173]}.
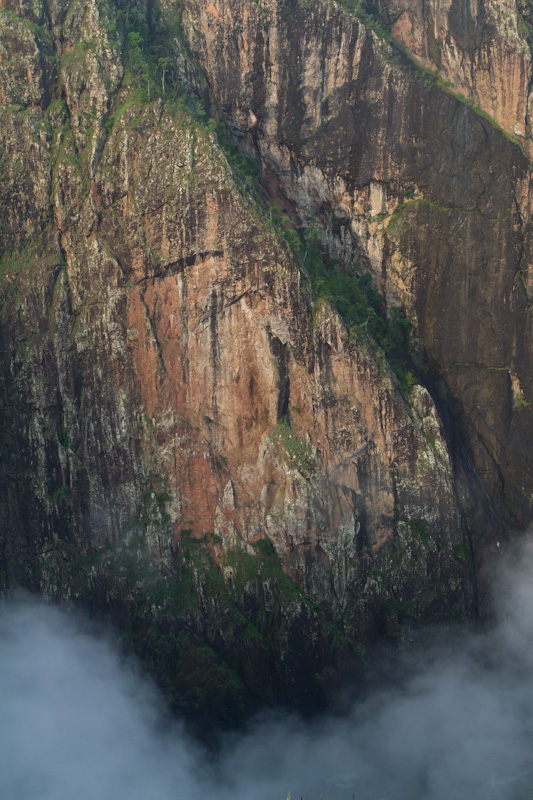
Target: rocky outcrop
{"type": "Point", "coordinates": [343, 127]}
{"type": "Point", "coordinates": [479, 48]}
{"type": "Point", "coordinates": [197, 444]}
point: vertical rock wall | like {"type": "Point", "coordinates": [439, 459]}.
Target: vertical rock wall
{"type": "Point", "coordinates": [429, 196]}
{"type": "Point", "coordinates": [193, 442]}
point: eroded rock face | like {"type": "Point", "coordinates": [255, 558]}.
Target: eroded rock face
{"type": "Point", "coordinates": [193, 443]}
{"type": "Point", "coordinates": [480, 48]}
{"type": "Point", "coordinates": [340, 126]}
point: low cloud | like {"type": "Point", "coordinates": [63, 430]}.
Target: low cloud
{"type": "Point", "coordinates": [455, 721]}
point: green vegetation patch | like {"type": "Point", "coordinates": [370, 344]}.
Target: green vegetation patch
{"type": "Point", "coordinates": [17, 273]}
{"type": "Point", "coordinates": [252, 571]}
{"type": "Point", "coordinates": [364, 12]}
{"type": "Point", "coordinates": [361, 309]}
{"type": "Point", "coordinates": [297, 451]}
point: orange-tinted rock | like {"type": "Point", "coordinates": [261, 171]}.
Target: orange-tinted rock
{"type": "Point", "coordinates": [478, 47]}
{"type": "Point", "coordinates": [427, 195]}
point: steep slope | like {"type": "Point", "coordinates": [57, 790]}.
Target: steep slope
{"type": "Point", "coordinates": [481, 49]}
{"type": "Point", "coordinates": [194, 442]}
{"type": "Point", "coordinates": [431, 194]}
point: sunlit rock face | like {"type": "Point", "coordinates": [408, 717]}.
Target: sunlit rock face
{"type": "Point", "coordinates": [480, 47]}
{"type": "Point", "coordinates": [194, 442]}
{"type": "Point", "coordinates": [436, 200]}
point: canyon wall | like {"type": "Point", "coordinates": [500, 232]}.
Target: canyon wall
{"type": "Point", "coordinates": [195, 443]}
{"type": "Point", "coordinates": [480, 49]}
{"type": "Point", "coordinates": [432, 198]}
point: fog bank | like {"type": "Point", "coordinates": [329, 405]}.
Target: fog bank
{"type": "Point", "coordinates": [76, 723]}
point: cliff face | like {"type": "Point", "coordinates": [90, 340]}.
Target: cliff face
{"type": "Point", "coordinates": [348, 129]}
{"type": "Point", "coordinates": [194, 441]}
{"type": "Point", "coordinates": [481, 49]}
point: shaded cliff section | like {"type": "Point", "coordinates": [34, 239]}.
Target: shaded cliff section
{"type": "Point", "coordinates": [195, 445]}
{"type": "Point", "coordinates": [429, 191]}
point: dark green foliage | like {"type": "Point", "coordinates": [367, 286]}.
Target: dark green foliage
{"type": "Point", "coordinates": [158, 610]}
{"type": "Point", "coordinates": [463, 552]}
{"type": "Point", "coordinates": [284, 227]}
{"type": "Point", "coordinates": [59, 495]}
{"type": "Point", "coordinates": [420, 529]}
{"type": "Point", "coordinates": [350, 5]}
{"type": "Point", "coordinates": [525, 21]}
{"type": "Point", "coordinates": [213, 645]}
{"type": "Point", "coordinates": [244, 167]}
{"type": "Point", "coordinates": [147, 52]}
{"type": "Point", "coordinates": [265, 548]}
{"type": "Point", "coordinates": [363, 10]}
{"type": "Point", "coordinates": [251, 572]}
{"type": "Point", "coordinates": [359, 305]}
{"type": "Point", "coordinates": [153, 508]}
{"type": "Point", "coordinates": [206, 678]}
{"type": "Point", "coordinates": [65, 438]}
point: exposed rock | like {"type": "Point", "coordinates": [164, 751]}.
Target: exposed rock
{"type": "Point", "coordinates": [194, 443]}
{"type": "Point", "coordinates": [479, 47]}
{"type": "Point", "coordinates": [438, 202]}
